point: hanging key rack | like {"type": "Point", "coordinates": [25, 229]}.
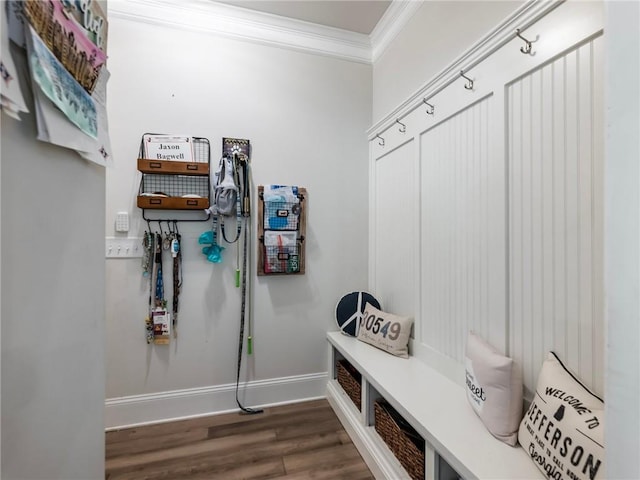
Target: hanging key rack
{"type": "Point", "coordinates": [174, 190]}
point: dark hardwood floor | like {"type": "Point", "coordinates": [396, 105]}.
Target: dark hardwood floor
{"type": "Point", "coordinates": [298, 441]}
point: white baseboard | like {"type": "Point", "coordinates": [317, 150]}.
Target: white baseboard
{"type": "Point", "coordinates": [161, 407]}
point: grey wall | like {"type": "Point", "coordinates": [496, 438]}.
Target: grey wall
{"type": "Point", "coordinates": [622, 239]}
{"type": "Point", "coordinates": [306, 117]}
{"type": "Point", "coordinates": [53, 205]}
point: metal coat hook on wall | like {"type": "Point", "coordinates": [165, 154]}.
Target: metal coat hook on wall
{"type": "Point", "coordinates": [469, 84]}
{"type": "Point", "coordinates": [430, 108]}
{"type": "Point", "coordinates": [527, 48]}
{"type": "Point", "coordinates": [381, 142]}
{"type": "Point", "coordinates": [403, 127]}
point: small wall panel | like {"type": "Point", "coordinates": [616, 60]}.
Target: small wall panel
{"type": "Point", "coordinates": [459, 223]}
{"type": "Point", "coordinates": [395, 230]}
{"type": "Point", "coordinates": [555, 144]}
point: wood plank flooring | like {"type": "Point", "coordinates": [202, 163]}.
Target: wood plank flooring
{"type": "Point", "coordinates": [292, 442]}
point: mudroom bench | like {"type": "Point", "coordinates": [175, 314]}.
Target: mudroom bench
{"type": "Point", "coordinates": [457, 445]}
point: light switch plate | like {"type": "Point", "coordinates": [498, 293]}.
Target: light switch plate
{"type": "Point", "coordinates": [122, 222]}
{"type": "Point", "coordinates": [123, 247]}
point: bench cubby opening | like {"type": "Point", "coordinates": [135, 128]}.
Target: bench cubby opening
{"type": "Point", "coordinates": [350, 379]}
{"type": "Point", "coordinates": [444, 471]}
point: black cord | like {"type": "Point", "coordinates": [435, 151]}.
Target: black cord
{"type": "Point", "coordinates": [247, 410]}
{"type": "Point", "coordinates": [224, 234]}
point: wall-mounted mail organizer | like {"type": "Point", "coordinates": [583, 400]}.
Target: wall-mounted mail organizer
{"type": "Point", "coordinates": [281, 229]}
{"type": "Point", "coordinates": [175, 176]}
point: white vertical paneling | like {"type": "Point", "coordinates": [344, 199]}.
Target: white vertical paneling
{"type": "Point", "coordinates": [536, 239]}
{"type": "Point", "coordinates": [598, 175]}
{"type": "Point", "coordinates": [572, 262]}
{"type": "Point", "coordinates": [493, 207]}
{"type": "Point", "coordinates": [558, 211]}
{"type": "Point", "coordinates": [456, 224]}
{"type": "Point", "coordinates": [394, 230]}
{"type": "Point", "coordinates": [584, 113]}
{"type": "Point", "coordinates": [554, 125]}
{"type": "Point", "coordinates": [547, 172]}
{"type": "Point", "coordinates": [514, 100]}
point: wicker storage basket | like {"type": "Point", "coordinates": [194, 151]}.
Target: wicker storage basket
{"type": "Point", "coordinates": [405, 443]}
{"type": "Point", "coordinates": [350, 380]}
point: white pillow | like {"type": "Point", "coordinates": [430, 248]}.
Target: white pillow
{"type": "Point", "coordinates": [386, 331]}
{"type": "Point", "coordinates": [563, 430]}
{"type": "Point", "coordinates": [494, 389]}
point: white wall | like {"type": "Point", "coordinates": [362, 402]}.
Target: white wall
{"type": "Point", "coordinates": [52, 306]}
{"type": "Point", "coordinates": [622, 239]}
{"type": "Point", "coordinates": [306, 117]}
{"type": "Point", "coordinates": [438, 33]}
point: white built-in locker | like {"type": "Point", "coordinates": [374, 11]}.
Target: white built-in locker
{"type": "Point", "coordinates": [555, 163]}
{"type": "Point", "coordinates": [487, 215]}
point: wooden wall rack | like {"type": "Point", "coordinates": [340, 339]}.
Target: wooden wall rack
{"type": "Point", "coordinates": [281, 233]}
{"type": "Point", "coordinates": [176, 185]}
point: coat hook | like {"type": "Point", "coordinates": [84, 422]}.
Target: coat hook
{"type": "Point", "coordinates": [430, 108]}
{"type": "Point", "coordinates": [381, 142]}
{"type": "Point", "coordinates": [527, 48]}
{"type": "Point", "coordinates": [403, 127]}
{"type": "Point", "coordinates": [469, 84]}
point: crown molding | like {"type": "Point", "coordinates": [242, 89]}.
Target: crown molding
{"type": "Point", "coordinates": [392, 22]}
{"type": "Point", "coordinates": [245, 24]}
{"type": "Point", "coordinates": [523, 17]}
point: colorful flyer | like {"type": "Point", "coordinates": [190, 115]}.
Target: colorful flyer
{"type": "Point", "coordinates": [67, 41]}
{"type": "Point", "coordinates": [90, 17]}
{"type": "Point", "coordinates": [60, 87]}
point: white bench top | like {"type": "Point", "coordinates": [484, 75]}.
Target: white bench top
{"type": "Point", "coordinates": [439, 410]}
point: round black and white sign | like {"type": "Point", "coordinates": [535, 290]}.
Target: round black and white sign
{"type": "Point", "coordinates": [349, 310]}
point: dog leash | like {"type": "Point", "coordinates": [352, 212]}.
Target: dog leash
{"type": "Point", "coordinates": [176, 253]}
{"type": "Point", "coordinates": [148, 271]}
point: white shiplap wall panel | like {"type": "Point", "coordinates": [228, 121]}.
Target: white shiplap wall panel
{"type": "Point", "coordinates": [394, 230]}
{"type": "Point", "coordinates": [555, 125]}
{"type": "Point", "coordinates": [456, 221]}
{"type": "Point", "coordinates": [506, 203]}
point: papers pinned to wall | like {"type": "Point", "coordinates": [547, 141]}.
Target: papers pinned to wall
{"type": "Point", "coordinates": [60, 86]}
{"type": "Point", "coordinates": [66, 49]}
{"type": "Point", "coordinates": [15, 18]}
{"type": "Point", "coordinates": [54, 127]}
{"type": "Point", "coordinates": [11, 99]}
{"type": "Point", "coordinates": [66, 40]}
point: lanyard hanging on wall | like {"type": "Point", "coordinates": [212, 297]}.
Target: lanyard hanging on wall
{"type": "Point", "coordinates": [159, 292]}
{"type": "Point", "coordinates": [161, 318]}
{"type": "Point", "coordinates": [149, 246]}
{"type": "Point", "coordinates": [176, 253]}
{"type": "Point", "coordinates": [158, 317]}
